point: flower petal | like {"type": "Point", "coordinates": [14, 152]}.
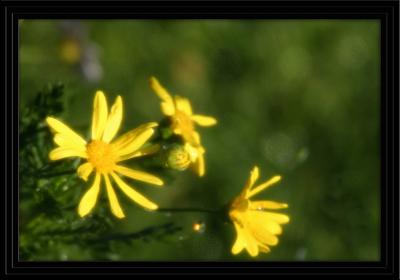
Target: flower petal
{"type": "Point", "coordinates": [149, 150]}
{"type": "Point", "coordinates": [63, 140]}
{"type": "Point", "coordinates": [239, 244]}
{"type": "Point", "coordinates": [263, 236]}
{"type": "Point", "coordinates": [251, 243]}
{"type": "Point", "coordinates": [250, 182]}
{"type": "Point", "coordinates": [61, 152]}
{"type": "Point", "coordinates": [84, 170]}
{"type": "Point", "coordinates": [277, 217]}
{"type": "Point", "coordinates": [89, 199]}
{"type": "Point", "coordinates": [114, 204]}
{"type": "Point", "coordinates": [132, 194]}
{"type": "Point", "coordinates": [136, 143]}
{"type": "Point", "coordinates": [139, 175]}
{"type": "Point", "coordinates": [64, 130]}
{"type": "Point", "coordinates": [192, 151]}
{"type": "Point", "coordinates": [263, 248]}
{"type": "Point", "coordinates": [183, 104]}
{"type": "Point", "coordinates": [263, 186]}
{"type": "Point", "coordinates": [167, 107]}
{"type": "Point", "coordinates": [134, 139]}
{"type": "Point", "coordinates": [265, 204]}
{"type": "Point", "coordinates": [196, 138]}
{"type": "Point", "coordinates": [204, 120]}
{"type": "Point", "coordinates": [273, 227]}
{"type": "Point", "coordinates": [199, 166]}
{"type": "Point", "coordinates": [262, 221]}
{"type": "Point", "coordinates": [100, 115]}
{"type": "Point", "coordinates": [113, 121]}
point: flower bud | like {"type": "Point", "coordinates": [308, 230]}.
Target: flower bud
{"type": "Point", "coordinates": [177, 157]}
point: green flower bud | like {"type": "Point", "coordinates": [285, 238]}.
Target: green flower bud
{"type": "Point", "coordinates": [177, 157]}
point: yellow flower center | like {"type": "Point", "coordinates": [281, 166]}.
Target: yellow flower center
{"type": "Point", "coordinates": [101, 155]}
{"type": "Point", "coordinates": [183, 122]}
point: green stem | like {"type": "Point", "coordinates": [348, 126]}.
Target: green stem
{"type": "Point", "coordinates": [201, 210]}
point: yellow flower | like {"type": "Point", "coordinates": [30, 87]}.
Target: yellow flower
{"type": "Point", "coordinates": [256, 228]}
{"type": "Point", "coordinates": [179, 111]}
{"type": "Point", "coordinates": [70, 50]}
{"type": "Point", "coordinates": [104, 155]}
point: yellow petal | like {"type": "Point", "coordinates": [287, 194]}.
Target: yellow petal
{"type": "Point", "coordinates": [204, 120]}
{"type": "Point", "coordinates": [61, 152]}
{"type": "Point", "coordinates": [139, 175]}
{"type": "Point", "coordinates": [199, 166]}
{"type": "Point", "coordinates": [196, 138]}
{"type": "Point", "coordinates": [277, 217]}
{"type": "Point", "coordinates": [100, 115]}
{"type": "Point", "coordinates": [134, 195]}
{"type": "Point", "coordinates": [168, 109]}
{"type": "Point", "coordinates": [273, 228]}
{"type": "Point", "coordinates": [239, 244]}
{"type": "Point", "coordinates": [183, 104]}
{"type": "Point", "coordinates": [192, 151]}
{"type": "Point", "coordinates": [133, 140]}
{"type": "Point", "coordinates": [67, 133]}
{"type": "Point", "coordinates": [263, 236]}
{"type": "Point", "coordinates": [84, 170]}
{"type": "Point", "coordinates": [132, 134]}
{"type": "Point", "coordinates": [64, 141]}
{"type": "Point", "coordinates": [167, 106]}
{"type": "Point", "coordinates": [149, 150]}
{"type": "Point", "coordinates": [251, 243]}
{"type": "Point", "coordinates": [263, 186]}
{"type": "Point", "coordinates": [263, 221]}
{"type": "Point", "coordinates": [250, 182]}
{"type": "Point", "coordinates": [160, 90]}
{"type": "Point", "coordinates": [263, 248]}
{"type": "Point", "coordinates": [113, 121]}
{"type": "Point", "coordinates": [265, 204]}
{"type": "Point", "coordinates": [114, 204]}
{"type": "Point", "coordinates": [136, 143]}
{"type": "Point", "coordinates": [89, 199]}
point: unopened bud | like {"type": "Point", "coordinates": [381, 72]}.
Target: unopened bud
{"type": "Point", "coordinates": [177, 157]}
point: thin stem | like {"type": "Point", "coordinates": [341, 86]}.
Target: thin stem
{"type": "Point", "coordinates": [202, 210]}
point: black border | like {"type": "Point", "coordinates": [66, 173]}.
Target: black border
{"type": "Point", "coordinates": [385, 11]}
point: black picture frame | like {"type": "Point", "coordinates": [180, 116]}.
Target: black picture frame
{"type": "Point", "coordinates": [387, 12]}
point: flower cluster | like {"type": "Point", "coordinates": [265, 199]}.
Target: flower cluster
{"type": "Point", "coordinates": [104, 154]}
{"type": "Point", "coordinates": [182, 121]}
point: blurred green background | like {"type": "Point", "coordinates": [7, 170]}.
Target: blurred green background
{"type": "Point", "coordinates": [298, 98]}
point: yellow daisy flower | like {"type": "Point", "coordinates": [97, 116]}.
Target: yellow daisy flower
{"type": "Point", "coordinates": [179, 110]}
{"type": "Point", "coordinates": [256, 228]}
{"type": "Point", "coordinates": [103, 155]}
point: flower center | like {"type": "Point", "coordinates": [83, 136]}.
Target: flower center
{"type": "Point", "coordinates": [101, 155]}
{"type": "Point", "coordinates": [240, 204]}
{"type": "Point", "coordinates": [182, 121]}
